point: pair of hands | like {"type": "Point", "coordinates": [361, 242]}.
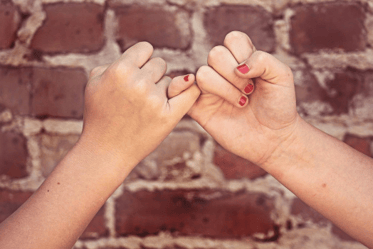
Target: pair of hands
{"type": "Point", "coordinates": [130, 107]}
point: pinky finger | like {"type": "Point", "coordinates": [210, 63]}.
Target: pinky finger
{"type": "Point", "coordinates": [180, 84]}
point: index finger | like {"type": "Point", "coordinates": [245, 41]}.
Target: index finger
{"type": "Point", "coordinates": [240, 45]}
{"type": "Point", "coordinates": [137, 55]}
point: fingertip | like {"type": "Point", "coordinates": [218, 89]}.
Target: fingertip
{"type": "Point", "coordinates": [243, 69]}
{"type": "Point", "coordinates": [180, 84]}
{"type": "Point", "coordinates": [249, 89]}
{"type": "Point", "coordinates": [243, 101]}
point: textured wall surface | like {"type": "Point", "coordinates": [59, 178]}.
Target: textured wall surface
{"type": "Point", "coordinates": [190, 192]}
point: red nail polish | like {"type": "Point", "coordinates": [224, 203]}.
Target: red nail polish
{"type": "Point", "coordinates": [186, 78]}
{"type": "Point", "coordinates": [249, 88]}
{"type": "Point", "coordinates": [243, 68]}
{"type": "Point", "coordinates": [242, 101]}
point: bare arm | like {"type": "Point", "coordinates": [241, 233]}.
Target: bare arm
{"type": "Point", "coordinates": [126, 116]}
{"type": "Point", "coordinates": [330, 176]}
{"type": "Point", "coordinates": [264, 127]}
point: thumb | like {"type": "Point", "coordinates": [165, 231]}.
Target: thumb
{"type": "Point", "coordinates": [181, 104]}
{"type": "Point", "coordinates": [267, 67]}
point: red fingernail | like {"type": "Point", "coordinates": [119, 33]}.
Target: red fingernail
{"type": "Point", "coordinates": [243, 68]}
{"type": "Point", "coordinates": [242, 101]}
{"type": "Point", "coordinates": [249, 88]}
{"type": "Point", "coordinates": [186, 78]}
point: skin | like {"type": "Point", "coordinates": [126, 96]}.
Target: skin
{"type": "Point", "coordinates": [128, 100]}
{"type": "Point", "coordinates": [127, 114]}
{"type": "Point", "coordinates": [328, 175]}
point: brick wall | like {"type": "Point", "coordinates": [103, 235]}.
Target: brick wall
{"type": "Point", "coordinates": [189, 193]}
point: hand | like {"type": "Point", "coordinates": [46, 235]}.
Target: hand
{"type": "Point", "coordinates": [254, 126]}
{"type": "Point", "coordinates": [127, 112]}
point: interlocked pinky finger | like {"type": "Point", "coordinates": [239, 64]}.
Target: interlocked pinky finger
{"type": "Point", "coordinates": [180, 84]}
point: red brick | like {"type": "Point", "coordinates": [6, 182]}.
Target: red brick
{"type": "Point", "coordinates": [10, 21]}
{"type": "Point", "coordinates": [328, 26]}
{"type": "Point", "coordinates": [341, 234]}
{"type": "Point", "coordinates": [13, 155]}
{"type": "Point", "coordinates": [11, 201]}
{"type": "Point", "coordinates": [70, 27]}
{"type": "Point", "coordinates": [96, 227]}
{"type": "Point", "coordinates": [53, 148]}
{"type": "Point", "coordinates": [342, 89]}
{"type": "Point", "coordinates": [254, 21]}
{"type": "Point", "coordinates": [192, 212]}
{"type": "Point", "coordinates": [358, 143]}
{"type": "Point", "coordinates": [58, 92]}
{"type": "Point", "coordinates": [235, 167]}
{"type": "Point", "coordinates": [301, 209]}
{"type": "Point", "coordinates": [154, 24]}
{"type": "Point", "coordinates": [15, 89]}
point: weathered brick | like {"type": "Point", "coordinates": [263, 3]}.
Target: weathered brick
{"type": "Point", "coordinates": [341, 234]}
{"type": "Point", "coordinates": [310, 95]}
{"type": "Point", "coordinates": [10, 21]}
{"type": "Point", "coordinates": [70, 27]}
{"type": "Point", "coordinates": [162, 27]}
{"type": "Point", "coordinates": [58, 92]}
{"type": "Point", "coordinates": [13, 155]}
{"type": "Point", "coordinates": [328, 26]}
{"type": "Point", "coordinates": [301, 209]}
{"type": "Point", "coordinates": [254, 21]}
{"type": "Point", "coordinates": [15, 89]}
{"type": "Point", "coordinates": [235, 167]}
{"type": "Point", "coordinates": [96, 227]}
{"type": "Point", "coordinates": [358, 143]}
{"type": "Point", "coordinates": [11, 201]}
{"type": "Point", "coordinates": [53, 148]}
{"type": "Point", "coordinates": [191, 212]}
{"type": "Point", "coordinates": [168, 161]}
{"type": "Point", "coordinates": [341, 90]}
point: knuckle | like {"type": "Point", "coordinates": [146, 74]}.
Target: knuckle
{"type": "Point", "coordinates": [216, 52]}
{"type": "Point", "coordinates": [159, 61]}
{"type": "Point", "coordinates": [202, 75]}
{"type": "Point", "coordinates": [146, 45]}
{"type": "Point", "coordinates": [234, 36]}
{"type": "Point", "coordinates": [262, 57]}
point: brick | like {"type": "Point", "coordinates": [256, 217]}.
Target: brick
{"type": "Point", "coordinates": [301, 209]}
{"type": "Point", "coordinates": [254, 21]}
{"type": "Point", "coordinates": [341, 234]}
{"type": "Point", "coordinates": [358, 143]}
{"type": "Point", "coordinates": [53, 148]}
{"type": "Point", "coordinates": [11, 201]}
{"type": "Point", "coordinates": [96, 227]}
{"type": "Point", "coordinates": [70, 27]}
{"type": "Point", "coordinates": [15, 89]}
{"type": "Point", "coordinates": [333, 26]}
{"type": "Point", "coordinates": [308, 94]}
{"type": "Point", "coordinates": [160, 26]}
{"type": "Point", "coordinates": [341, 90]}
{"type": "Point", "coordinates": [177, 145]}
{"type": "Point", "coordinates": [235, 167]}
{"type": "Point", "coordinates": [13, 155]}
{"type": "Point", "coordinates": [58, 92]}
{"type": "Point", "coordinates": [10, 21]}
{"type": "Point", "coordinates": [194, 212]}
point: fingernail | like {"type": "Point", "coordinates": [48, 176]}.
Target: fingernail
{"type": "Point", "coordinates": [186, 78]}
{"type": "Point", "coordinates": [243, 100]}
{"type": "Point", "coordinates": [243, 68]}
{"type": "Point", "coordinates": [249, 88]}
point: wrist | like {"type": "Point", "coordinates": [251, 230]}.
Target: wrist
{"type": "Point", "coordinates": [291, 151]}
{"type": "Point", "coordinates": [108, 156]}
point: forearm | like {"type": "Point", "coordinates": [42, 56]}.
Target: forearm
{"type": "Point", "coordinates": [59, 211]}
{"type": "Point", "coordinates": [330, 176]}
